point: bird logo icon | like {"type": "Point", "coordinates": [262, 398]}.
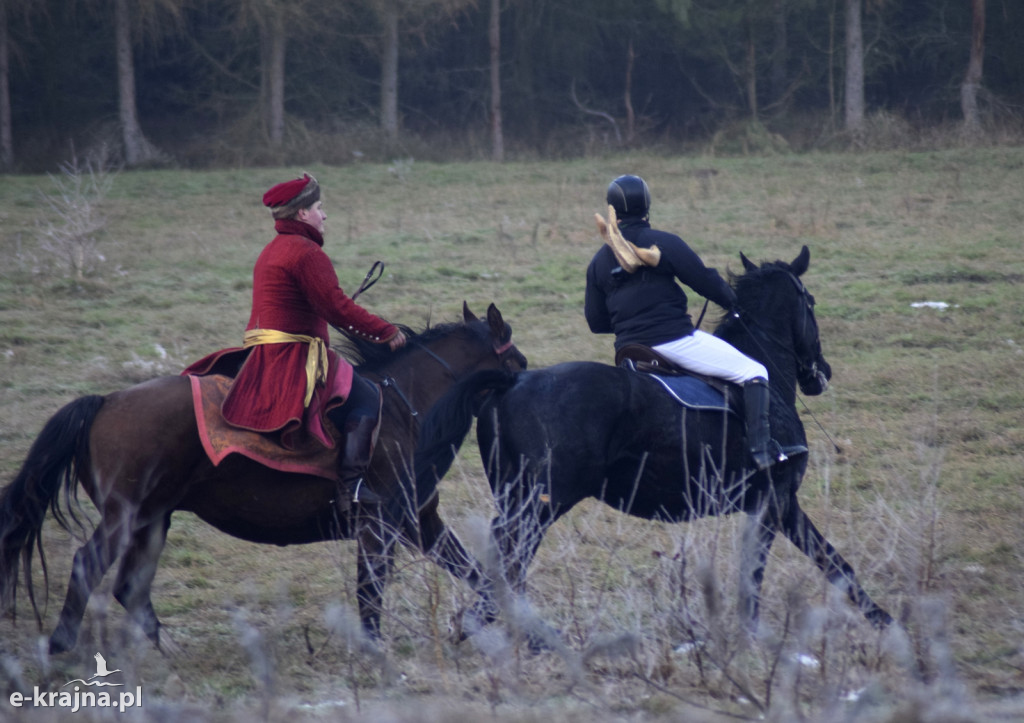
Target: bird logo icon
{"type": "Point", "coordinates": [101, 672]}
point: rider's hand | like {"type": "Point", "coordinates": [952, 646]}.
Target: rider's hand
{"type": "Point", "coordinates": [397, 341]}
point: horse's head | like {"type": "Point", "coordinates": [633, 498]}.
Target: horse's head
{"type": "Point", "coordinates": [790, 302]}
{"type": "Point", "coordinates": [500, 334]}
{"type": "Point", "coordinates": [446, 351]}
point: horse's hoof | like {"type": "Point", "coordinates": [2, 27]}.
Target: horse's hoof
{"type": "Point", "coordinates": [60, 643]}
{"type": "Point", "coordinates": [168, 647]}
{"type": "Point", "coordinates": [544, 640]}
{"type": "Point", "coordinates": [880, 619]}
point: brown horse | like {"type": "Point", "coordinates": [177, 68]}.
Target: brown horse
{"type": "Point", "coordinates": [138, 455]}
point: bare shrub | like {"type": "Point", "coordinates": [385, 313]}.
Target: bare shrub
{"type": "Point", "coordinates": [70, 232]}
{"type": "Point", "coordinates": [747, 138]}
{"type": "Point", "coordinates": [661, 611]}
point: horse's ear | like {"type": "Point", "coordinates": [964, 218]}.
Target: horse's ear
{"type": "Point", "coordinates": [801, 262]}
{"type": "Point", "coordinates": [496, 323]}
{"type": "Point", "coordinates": [467, 315]}
{"type": "Point", "coordinates": [747, 263]}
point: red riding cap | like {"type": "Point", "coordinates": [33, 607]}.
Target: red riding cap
{"type": "Point", "coordinates": [299, 193]}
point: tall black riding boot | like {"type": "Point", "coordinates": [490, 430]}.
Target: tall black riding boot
{"type": "Point", "coordinates": [763, 449]}
{"type": "Point", "coordinates": [360, 438]}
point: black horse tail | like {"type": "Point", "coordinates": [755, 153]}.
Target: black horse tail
{"type": "Point", "coordinates": [447, 424]}
{"type": "Point", "coordinates": [60, 453]}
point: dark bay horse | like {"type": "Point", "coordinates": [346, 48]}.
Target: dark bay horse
{"type": "Point", "coordinates": [138, 456]}
{"type": "Point", "coordinates": [552, 437]}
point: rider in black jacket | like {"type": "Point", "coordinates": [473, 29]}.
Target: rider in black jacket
{"type": "Point", "coordinates": [647, 306]}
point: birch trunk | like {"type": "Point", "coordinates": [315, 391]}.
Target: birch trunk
{"type": "Point", "coordinates": [389, 75]}
{"type": "Point", "coordinates": [494, 40]}
{"type": "Point", "coordinates": [137, 149]}
{"type": "Point", "coordinates": [854, 91]}
{"type": "Point", "coordinates": [972, 79]}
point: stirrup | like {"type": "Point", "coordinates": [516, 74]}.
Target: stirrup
{"type": "Point", "coordinates": [772, 454]}
{"type": "Point", "coordinates": [363, 495]}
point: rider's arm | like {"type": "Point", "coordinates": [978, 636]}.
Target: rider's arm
{"type": "Point", "coordinates": [687, 266]}
{"type": "Point", "coordinates": [594, 306]}
{"type": "Point", "coordinates": [316, 276]}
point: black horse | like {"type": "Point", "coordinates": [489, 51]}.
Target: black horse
{"type": "Point", "coordinates": [552, 437]}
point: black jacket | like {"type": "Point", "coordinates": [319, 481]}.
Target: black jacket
{"type": "Point", "coordinates": [649, 307]}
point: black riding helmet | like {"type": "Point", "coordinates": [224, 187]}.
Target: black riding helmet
{"type": "Point", "coordinates": [629, 196]}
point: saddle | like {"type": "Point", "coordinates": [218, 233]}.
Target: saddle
{"type": "Point", "coordinates": [221, 439]}
{"type": "Point", "coordinates": [697, 391]}
{"type": "Point", "coordinates": [641, 358]}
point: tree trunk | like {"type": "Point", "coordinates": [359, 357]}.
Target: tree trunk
{"type": "Point", "coordinates": [831, 67]}
{"type": "Point", "coordinates": [854, 71]}
{"type": "Point", "coordinates": [972, 79]}
{"type": "Point", "coordinates": [751, 71]}
{"type": "Point", "coordinates": [630, 114]}
{"type": "Point", "coordinates": [6, 143]}
{"type": "Point", "coordinates": [276, 46]}
{"type": "Point", "coordinates": [389, 75]}
{"type": "Point", "coordinates": [136, 148]}
{"type": "Point", "coordinates": [780, 51]}
{"type": "Point", "coordinates": [494, 39]}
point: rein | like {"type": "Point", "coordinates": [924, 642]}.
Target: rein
{"type": "Point", "coordinates": [389, 382]}
{"type": "Point", "coordinates": [701, 317]}
{"type": "Point", "coordinates": [813, 368]}
{"type": "Point", "coordinates": [436, 358]}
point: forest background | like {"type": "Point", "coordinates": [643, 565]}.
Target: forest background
{"type": "Point", "coordinates": [214, 83]}
{"type": "Point", "coordinates": [926, 498]}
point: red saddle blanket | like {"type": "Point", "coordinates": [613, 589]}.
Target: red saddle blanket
{"type": "Point", "coordinates": [221, 439]}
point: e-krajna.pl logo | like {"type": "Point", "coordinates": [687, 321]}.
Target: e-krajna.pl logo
{"type": "Point", "coordinates": [76, 698]}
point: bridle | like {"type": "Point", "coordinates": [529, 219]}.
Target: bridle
{"type": "Point", "coordinates": [805, 370]}
{"type": "Point", "coordinates": [500, 349]}
{"type": "Point", "coordinates": [808, 305]}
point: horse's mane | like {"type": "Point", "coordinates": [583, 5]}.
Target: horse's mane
{"type": "Point", "coordinates": [369, 357]}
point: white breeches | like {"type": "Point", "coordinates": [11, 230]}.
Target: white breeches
{"type": "Point", "coordinates": [706, 354]}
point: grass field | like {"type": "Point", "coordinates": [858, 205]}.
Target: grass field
{"type": "Point", "coordinates": [917, 270]}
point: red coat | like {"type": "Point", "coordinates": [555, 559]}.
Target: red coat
{"type": "Point", "coordinates": [295, 290]}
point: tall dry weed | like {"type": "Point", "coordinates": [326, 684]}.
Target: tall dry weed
{"type": "Point", "coordinates": [69, 233]}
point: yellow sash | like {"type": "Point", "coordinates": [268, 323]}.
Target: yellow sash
{"type": "Point", "coordinates": [316, 360]}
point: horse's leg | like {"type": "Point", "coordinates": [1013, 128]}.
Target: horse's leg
{"type": "Point", "coordinates": [517, 532]}
{"type": "Point", "coordinates": [797, 526]}
{"type": "Point", "coordinates": [758, 536]}
{"type": "Point", "coordinates": [441, 545]}
{"type": "Point", "coordinates": [376, 556]}
{"type": "Point", "coordinates": [87, 569]}
{"type": "Point", "coordinates": [135, 576]}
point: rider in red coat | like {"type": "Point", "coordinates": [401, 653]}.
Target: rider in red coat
{"type": "Point", "coordinates": [289, 378]}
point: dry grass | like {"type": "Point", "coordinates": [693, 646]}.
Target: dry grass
{"type": "Point", "coordinates": [924, 501]}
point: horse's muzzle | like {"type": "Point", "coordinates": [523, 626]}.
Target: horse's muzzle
{"type": "Point", "coordinates": [814, 380]}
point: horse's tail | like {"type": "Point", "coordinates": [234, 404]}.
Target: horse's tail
{"type": "Point", "coordinates": [447, 424]}
{"type": "Point", "coordinates": [60, 453]}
